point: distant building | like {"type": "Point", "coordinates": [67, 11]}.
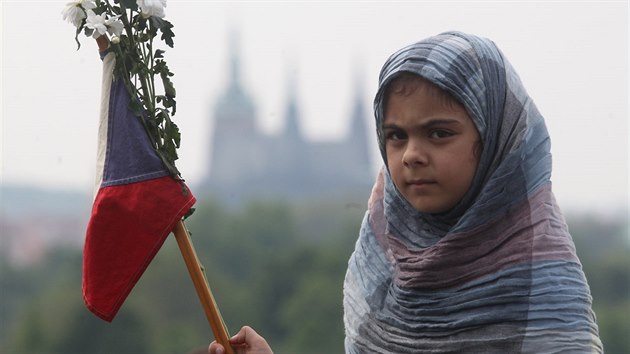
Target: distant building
{"type": "Point", "coordinates": [246, 163]}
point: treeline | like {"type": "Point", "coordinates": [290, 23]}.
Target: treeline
{"type": "Point", "coordinates": [604, 250]}
{"type": "Point", "coordinates": [276, 266]}
{"type": "Point", "coordinates": [273, 265]}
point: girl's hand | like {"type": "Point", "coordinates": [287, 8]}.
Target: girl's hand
{"type": "Point", "coordinates": [246, 341]}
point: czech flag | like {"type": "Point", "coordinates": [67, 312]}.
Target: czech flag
{"type": "Point", "coordinates": [136, 206]}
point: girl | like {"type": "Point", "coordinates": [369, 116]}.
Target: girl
{"type": "Point", "coordinates": [463, 247]}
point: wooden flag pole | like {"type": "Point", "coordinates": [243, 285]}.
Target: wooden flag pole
{"type": "Point", "coordinates": [201, 285]}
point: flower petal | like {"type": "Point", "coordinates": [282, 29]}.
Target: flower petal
{"type": "Point", "coordinates": [73, 14]}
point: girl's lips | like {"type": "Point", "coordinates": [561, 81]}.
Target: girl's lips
{"type": "Point", "coordinates": [420, 185]}
{"type": "Point", "coordinates": [420, 182]}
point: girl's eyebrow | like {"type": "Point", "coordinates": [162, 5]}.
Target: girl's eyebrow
{"type": "Point", "coordinates": [390, 126]}
{"type": "Point", "coordinates": [439, 121]}
{"type": "Point", "coordinates": [427, 124]}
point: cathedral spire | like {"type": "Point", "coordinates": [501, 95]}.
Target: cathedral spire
{"type": "Point", "coordinates": [358, 132]}
{"type": "Point", "coordinates": [235, 60]}
{"type": "Point", "coordinates": [292, 114]}
{"type": "Point", "coordinates": [235, 102]}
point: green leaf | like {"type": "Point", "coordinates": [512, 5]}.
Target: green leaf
{"type": "Point", "coordinates": [160, 117]}
{"type": "Point", "coordinates": [173, 130]}
{"type": "Point", "coordinates": [168, 164]}
{"type": "Point", "coordinates": [135, 107]}
{"type": "Point", "coordinates": [191, 210]}
{"type": "Point", "coordinates": [170, 150]}
{"type": "Point", "coordinates": [167, 33]}
{"type": "Point", "coordinates": [169, 89]}
{"type": "Point", "coordinates": [144, 37]}
{"type": "Point", "coordinates": [117, 10]}
{"type": "Point", "coordinates": [157, 22]}
{"type": "Point", "coordinates": [159, 66]}
{"type": "Point", "coordinates": [99, 10]}
{"type": "Point", "coordinates": [130, 4]}
{"type": "Point", "coordinates": [141, 23]}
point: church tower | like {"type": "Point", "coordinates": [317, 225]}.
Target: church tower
{"type": "Point", "coordinates": [358, 134]}
{"type": "Point", "coordinates": [292, 153]}
{"type": "Point", "coordinates": [236, 153]}
{"type": "Point", "coordinates": [248, 164]}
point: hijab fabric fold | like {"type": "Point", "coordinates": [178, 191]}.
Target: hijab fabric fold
{"type": "Point", "coordinates": [496, 273]}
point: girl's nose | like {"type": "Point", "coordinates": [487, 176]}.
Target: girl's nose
{"type": "Point", "coordinates": [415, 155]}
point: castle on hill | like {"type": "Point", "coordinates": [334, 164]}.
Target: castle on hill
{"type": "Point", "coordinates": [248, 164]}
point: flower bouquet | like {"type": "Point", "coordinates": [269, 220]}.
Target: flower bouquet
{"type": "Point", "coordinates": [131, 27]}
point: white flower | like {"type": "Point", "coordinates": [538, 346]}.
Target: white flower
{"type": "Point", "coordinates": [114, 26]}
{"type": "Point", "coordinates": [150, 8]}
{"type": "Point", "coordinates": [96, 22]}
{"type": "Point", "coordinates": [75, 11]}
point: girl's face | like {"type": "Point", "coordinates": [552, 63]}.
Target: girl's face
{"type": "Point", "coordinates": [430, 147]}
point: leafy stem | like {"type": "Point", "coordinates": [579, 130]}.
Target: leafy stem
{"type": "Point", "coordinates": [132, 27]}
{"type": "Point", "coordinates": [138, 64]}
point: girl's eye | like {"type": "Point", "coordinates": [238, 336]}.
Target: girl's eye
{"type": "Point", "coordinates": [440, 134]}
{"type": "Point", "coordinates": [395, 135]}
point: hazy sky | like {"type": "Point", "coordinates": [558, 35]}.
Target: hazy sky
{"type": "Point", "coordinates": [571, 55]}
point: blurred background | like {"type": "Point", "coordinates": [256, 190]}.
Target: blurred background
{"type": "Point", "coordinates": [278, 145]}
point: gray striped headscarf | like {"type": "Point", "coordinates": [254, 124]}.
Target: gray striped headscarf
{"type": "Point", "coordinates": [496, 273]}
